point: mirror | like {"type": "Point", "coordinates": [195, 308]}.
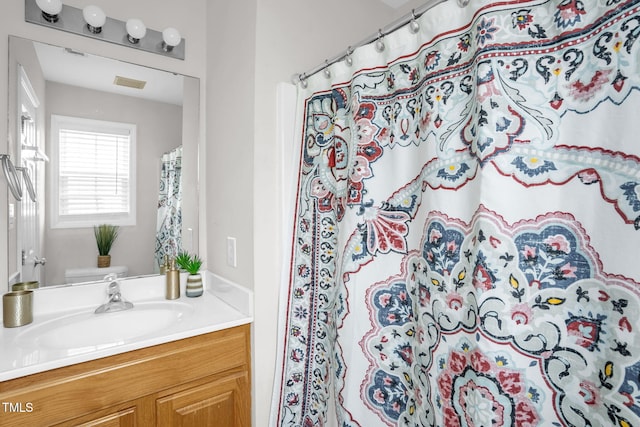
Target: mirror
{"type": "Point", "coordinates": [47, 82]}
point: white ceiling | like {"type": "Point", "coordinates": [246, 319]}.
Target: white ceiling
{"type": "Point", "coordinates": [98, 73]}
{"type": "Point", "coordinates": [395, 3]}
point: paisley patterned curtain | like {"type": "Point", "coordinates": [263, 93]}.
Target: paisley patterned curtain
{"type": "Point", "coordinates": [465, 244]}
{"type": "Point", "coordinates": [169, 222]}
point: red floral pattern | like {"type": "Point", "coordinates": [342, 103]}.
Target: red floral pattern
{"type": "Point", "coordinates": [526, 108]}
{"type": "Point", "coordinates": [479, 379]}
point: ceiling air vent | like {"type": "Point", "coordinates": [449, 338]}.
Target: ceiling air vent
{"type": "Point", "coordinates": [127, 82]}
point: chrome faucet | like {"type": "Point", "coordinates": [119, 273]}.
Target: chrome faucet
{"type": "Point", "coordinates": [115, 303]}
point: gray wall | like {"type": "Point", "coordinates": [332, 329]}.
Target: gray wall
{"type": "Point", "coordinates": [159, 129]}
{"type": "Point", "coordinates": [291, 37]}
{"type": "Point", "coordinates": [241, 50]}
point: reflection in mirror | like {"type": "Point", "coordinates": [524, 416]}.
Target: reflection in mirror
{"type": "Point", "coordinates": [79, 172]}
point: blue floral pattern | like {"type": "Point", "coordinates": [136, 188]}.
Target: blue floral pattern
{"type": "Point", "coordinates": [169, 218]}
{"type": "Point", "coordinates": [571, 333]}
{"type": "Point", "coordinates": [446, 268]}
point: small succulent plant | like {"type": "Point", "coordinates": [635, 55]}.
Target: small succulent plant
{"type": "Point", "coordinates": [182, 259]}
{"type": "Point", "coordinates": [190, 263]}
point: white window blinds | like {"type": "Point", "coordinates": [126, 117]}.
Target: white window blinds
{"type": "Point", "coordinates": [94, 172]}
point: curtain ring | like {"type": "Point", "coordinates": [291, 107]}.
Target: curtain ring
{"type": "Point", "coordinates": [303, 80]}
{"type": "Point", "coordinates": [348, 59]}
{"type": "Point", "coordinates": [380, 41]}
{"type": "Point", "coordinates": [326, 71]}
{"type": "Point", "coordinates": [414, 27]}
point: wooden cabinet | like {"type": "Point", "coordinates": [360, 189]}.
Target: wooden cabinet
{"type": "Point", "coordinates": [199, 381]}
{"type": "Point", "coordinates": [223, 401]}
{"type": "Point", "coordinates": [124, 418]}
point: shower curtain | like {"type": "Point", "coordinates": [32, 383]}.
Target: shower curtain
{"type": "Point", "coordinates": [169, 221]}
{"type": "Point", "coordinates": [465, 245]}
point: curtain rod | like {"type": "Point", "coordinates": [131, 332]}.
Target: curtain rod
{"type": "Point", "coordinates": [346, 54]}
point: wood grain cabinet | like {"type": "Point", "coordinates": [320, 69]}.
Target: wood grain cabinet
{"type": "Point", "coordinates": [223, 401]}
{"type": "Point", "coordinates": [199, 381]}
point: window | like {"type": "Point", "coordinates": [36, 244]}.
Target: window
{"type": "Point", "coordinates": [93, 172]}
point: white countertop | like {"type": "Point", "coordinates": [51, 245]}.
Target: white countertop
{"type": "Point", "coordinates": [223, 305]}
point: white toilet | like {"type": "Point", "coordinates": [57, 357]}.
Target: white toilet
{"type": "Point", "coordinates": [92, 274]}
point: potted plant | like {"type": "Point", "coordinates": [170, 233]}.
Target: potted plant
{"type": "Point", "coordinates": [191, 264]}
{"type": "Point", "coordinates": [106, 235]}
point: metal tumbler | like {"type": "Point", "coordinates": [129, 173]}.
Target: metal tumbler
{"type": "Point", "coordinates": [17, 308]}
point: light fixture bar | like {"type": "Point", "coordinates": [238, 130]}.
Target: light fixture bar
{"type": "Point", "coordinates": [71, 20]}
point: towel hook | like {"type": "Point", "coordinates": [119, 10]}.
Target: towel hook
{"type": "Point", "coordinates": [28, 183]}
{"type": "Point", "coordinates": [11, 175]}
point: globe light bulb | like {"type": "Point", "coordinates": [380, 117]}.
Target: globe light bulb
{"type": "Point", "coordinates": [50, 9]}
{"type": "Point", "coordinates": [171, 38]}
{"type": "Point", "coordinates": [135, 30]}
{"type": "Point", "coordinates": [95, 18]}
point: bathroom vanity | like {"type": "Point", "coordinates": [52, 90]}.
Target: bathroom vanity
{"type": "Point", "coordinates": [191, 371]}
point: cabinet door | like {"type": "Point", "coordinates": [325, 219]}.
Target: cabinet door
{"type": "Point", "coordinates": [123, 418]}
{"type": "Point", "coordinates": [221, 403]}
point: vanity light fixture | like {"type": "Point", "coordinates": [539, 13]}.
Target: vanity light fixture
{"type": "Point", "coordinates": [135, 30]}
{"type": "Point", "coordinates": [95, 18]}
{"type": "Point", "coordinates": [92, 22]}
{"type": "Point", "coordinates": [170, 39]}
{"type": "Point", "coordinates": [50, 9]}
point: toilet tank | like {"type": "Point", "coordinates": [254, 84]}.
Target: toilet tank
{"type": "Point", "coordinates": [92, 274]}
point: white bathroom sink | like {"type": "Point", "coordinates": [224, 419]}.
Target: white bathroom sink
{"type": "Point", "coordinates": [66, 331]}
{"type": "Point", "coordinates": [86, 331]}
